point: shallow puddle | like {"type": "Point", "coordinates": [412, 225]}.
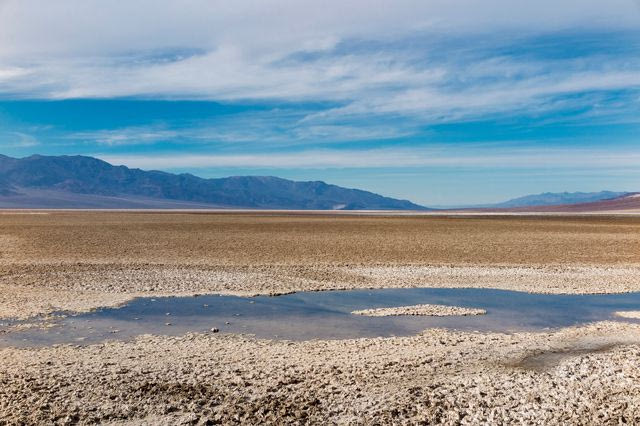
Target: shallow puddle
{"type": "Point", "coordinates": [325, 315]}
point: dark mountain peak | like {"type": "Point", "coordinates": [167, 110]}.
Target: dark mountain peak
{"type": "Point", "coordinates": [60, 176]}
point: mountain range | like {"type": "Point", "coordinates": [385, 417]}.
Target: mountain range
{"type": "Point", "coordinates": [627, 203]}
{"type": "Point", "coordinates": [558, 198]}
{"type": "Point", "coordinates": [85, 182]}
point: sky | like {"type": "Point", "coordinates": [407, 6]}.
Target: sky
{"type": "Point", "coordinates": [448, 102]}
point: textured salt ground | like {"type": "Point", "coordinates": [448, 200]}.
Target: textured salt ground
{"type": "Point", "coordinates": [79, 261]}
{"type": "Point", "coordinates": [420, 310]}
{"type": "Point", "coordinates": [44, 288]}
{"type": "Point", "coordinates": [437, 377]}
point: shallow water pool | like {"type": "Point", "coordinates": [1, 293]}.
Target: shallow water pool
{"type": "Point", "coordinates": [326, 315]}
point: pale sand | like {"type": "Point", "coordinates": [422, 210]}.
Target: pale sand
{"type": "Point", "coordinates": [420, 310]}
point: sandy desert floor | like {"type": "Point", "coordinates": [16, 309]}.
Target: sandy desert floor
{"type": "Point", "coordinates": [82, 260]}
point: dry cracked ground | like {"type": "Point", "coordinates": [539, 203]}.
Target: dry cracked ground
{"type": "Point", "coordinates": [82, 260]}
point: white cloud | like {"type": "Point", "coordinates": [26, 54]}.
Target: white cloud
{"type": "Point", "coordinates": [84, 27]}
{"type": "Point", "coordinates": [9, 73]}
{"type": "Point", "coordinates": [124, 136]}
{"type": "Point", "coordinates": [17, 140]}
{"type": "Point", "coordinates": [243, 50]}
{"type": "Point", "coordinates": [267, 129]}
{"type": "Point", "coordinates": [530, 95]}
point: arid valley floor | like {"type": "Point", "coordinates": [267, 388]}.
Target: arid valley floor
{"type": "Point", "coordinates": [79, 261]}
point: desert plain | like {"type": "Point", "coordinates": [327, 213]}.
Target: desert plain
{"type": "Point", "coordinates": [53, 261]}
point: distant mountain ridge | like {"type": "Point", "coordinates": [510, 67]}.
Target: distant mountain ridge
{"type": "Point", "coordinates": [628, 203]}
{"type": "Point", "coordinates": [558, 198]}
{"type": "Point", "coordinates": [87, 182]}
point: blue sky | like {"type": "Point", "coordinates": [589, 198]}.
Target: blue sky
{"type": "Point", "coordinates": [435, 101]}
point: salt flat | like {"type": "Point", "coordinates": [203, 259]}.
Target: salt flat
{"type": "Point", "coordinates": [83, 260]}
